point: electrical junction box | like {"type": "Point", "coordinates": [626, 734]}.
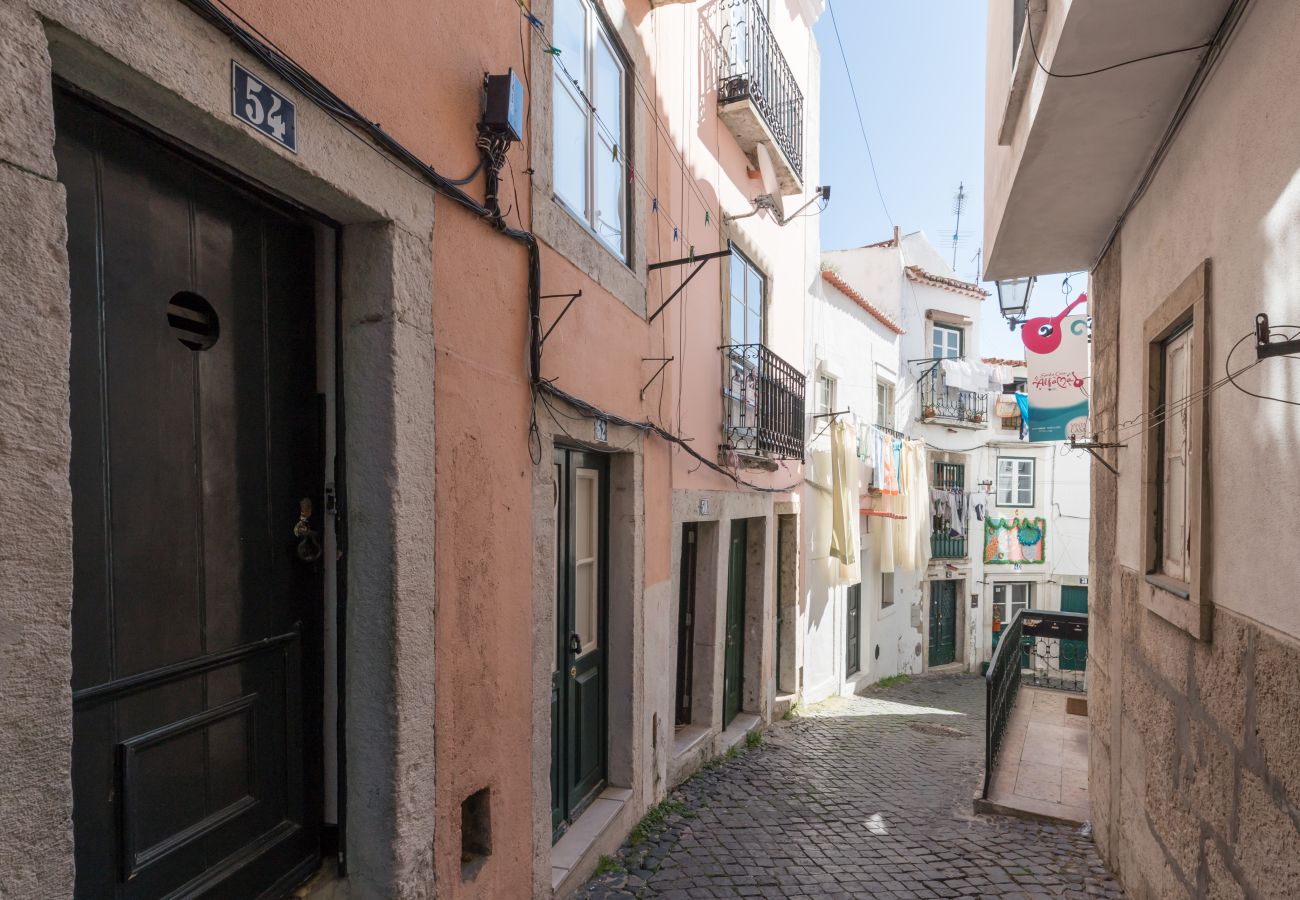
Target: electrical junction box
{"type": "Point", "coordinates": [503, 105]}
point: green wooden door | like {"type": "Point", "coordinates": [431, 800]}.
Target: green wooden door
{"type": "Point", "coordinates": [578, 750]}
{"type": "Point", "coordinates": [853, 631]}
{"type": "Point", "coordinates": [734, 670]}
{"type": "Point", "coordinates": [943, 622]}
{"type": "Point", "coordinates": [1074, 654]}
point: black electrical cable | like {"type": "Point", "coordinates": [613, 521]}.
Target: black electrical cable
{"type": "Point", "coordinates": [1029, 27]}
{"type": "Point", "coordinates": [492, 150]}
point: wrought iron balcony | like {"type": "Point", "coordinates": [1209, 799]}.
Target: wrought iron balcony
{"type": "Point", "coordinates": [938, 401]}
{"type": "Point", "coordinates": [763, 398]}
{"type": "Point", "coordinates": [943, 545]}
{"type": "Point", "coordinates": [1042, 647]}
{"type": "Point", "coordinates": [755, 71]}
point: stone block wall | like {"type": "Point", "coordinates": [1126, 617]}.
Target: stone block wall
{"type": "Point", "coordinates": [1195, 745]}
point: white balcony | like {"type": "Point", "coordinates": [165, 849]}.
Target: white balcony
{"type": "Point", "coordinates": [1064, 155]}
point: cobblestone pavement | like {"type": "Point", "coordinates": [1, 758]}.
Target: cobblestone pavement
{"type": "Point", "coordinates": [868, 797]}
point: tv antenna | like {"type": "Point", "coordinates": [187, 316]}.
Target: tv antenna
{"type": "Point", "coordinates": [958, 206]}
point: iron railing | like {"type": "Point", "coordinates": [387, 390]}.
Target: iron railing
{"type": "Point", "coordinates": [1045, 648]}
{"type": "Point", "coordinates": [948, 477]}
{"type": "Point", "coordinates": [1001, 684]}
{"type": "Point", "coordinates": [755, 69]}
{"type": "Point", "coordinates": [938, 401]}
{"type": "Point", "coordinates": [763, 396]}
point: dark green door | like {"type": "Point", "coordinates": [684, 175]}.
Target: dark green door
{"type": "Point", "coordinates": [734, 670]}
{"type": "Point", "coordinates": [853, 632]}
{"type": "Point", "coordinates": [578, 750]}
{"type": "Point", "coordinates": [1074, 654]}
{"type": "Point", "coordinates": [196, 613]}
{"type": "Point", "coordinates": [943, 622]}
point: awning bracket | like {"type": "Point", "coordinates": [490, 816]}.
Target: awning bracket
{"type": "Point", "coordinates": [572, 299]}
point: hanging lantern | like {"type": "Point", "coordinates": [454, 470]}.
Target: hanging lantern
{"type": "Point", "coordinates": [1013, 298]}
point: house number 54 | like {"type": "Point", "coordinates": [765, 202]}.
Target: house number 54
{"type": "Point", "coordinates": [262, 107]}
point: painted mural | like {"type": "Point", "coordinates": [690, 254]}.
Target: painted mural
{"type": "Point", "coordinates": [1011, 541]}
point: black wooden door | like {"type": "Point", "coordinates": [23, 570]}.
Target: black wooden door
{"type": "Point", "coordinates": [195, 438]}
{"type": "Point", "coordinates": [734, 664]}
{"type": "Point", "coordinates": [686, 624]}
{"type": "Point", "coordinates": [853, 631]}
{"type": "Point", "coordinates": [943, 622]}
{"type": "Point", "coordinates": [578, 687]}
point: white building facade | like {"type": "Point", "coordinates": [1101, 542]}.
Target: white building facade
{"type": "Point", "coordinates": [1008, 523]}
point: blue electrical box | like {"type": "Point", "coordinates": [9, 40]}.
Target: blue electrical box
{"type": "Point", "coordinates": [503, 105]}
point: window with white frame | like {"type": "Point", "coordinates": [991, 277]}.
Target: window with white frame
{"type": "Point", "coordinates": [589, 123]}
{"type": "Point", "coordinates": [1172, 462]}
{"type": "Point", "coordinates": [748, 287]}
{"type": "Point", "coordinates": [1015, 482]}
{"type": "Point", "coordinates": [825, 395]}
{"type": "Point", "coordinates": [885, 404]}
{"type": "Point", "coordinates": [945, 342]}
{"type": "Point", "coordinates": [1010, 598]}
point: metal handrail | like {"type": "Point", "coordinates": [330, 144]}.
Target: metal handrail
{"type": "Point", "coordinates": [1002, 680]}
{"type": "Point", "coordinates": [755, 69]}
{"type": "Point", "coordinates": [1001, 685]}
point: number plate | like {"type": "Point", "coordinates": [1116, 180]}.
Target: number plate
{"type": "Point", "coordinates": [267, 110]}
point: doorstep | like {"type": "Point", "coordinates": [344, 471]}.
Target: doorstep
{"type": "Point", "coordinates": [740, 726]}
{"type": "Point", "coordinates": [570, 849]}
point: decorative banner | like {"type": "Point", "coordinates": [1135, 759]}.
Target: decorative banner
{"type": "Point", "coordinates": [1014, 541]}
{"type": "Point", "coordinates": [1056, 352]}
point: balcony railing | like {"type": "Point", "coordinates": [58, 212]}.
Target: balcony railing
{"type": "Point", "coordinates": [764, 403]}
{"type": "Point", "coordinates": [755, 69]}
{"type": "Point", "coordinates": [938, 401]}
{"type": "Point", "coordinates": [948, 477]}
{"type": "Point", "coordinates": [1045, 648]}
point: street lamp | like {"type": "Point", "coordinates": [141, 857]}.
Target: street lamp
{"type": "Point", "coordinates": [1013, 298]}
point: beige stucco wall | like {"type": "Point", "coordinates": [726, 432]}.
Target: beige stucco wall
{"type": "Point", "coordinates": [1195, 780]}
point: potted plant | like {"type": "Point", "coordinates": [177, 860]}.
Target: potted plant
{"type": "Point", "coordinates": [927, 412]}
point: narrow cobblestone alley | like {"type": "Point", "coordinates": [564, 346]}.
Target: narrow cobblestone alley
{"type": "Point", "coordinates": [863, 797]}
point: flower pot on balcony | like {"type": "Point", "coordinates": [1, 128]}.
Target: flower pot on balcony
{"type": "Point", "coordinates": [927, 412]}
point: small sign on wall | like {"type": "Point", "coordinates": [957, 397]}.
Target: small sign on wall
{"type": "Point", "coordinates": [266, 109]}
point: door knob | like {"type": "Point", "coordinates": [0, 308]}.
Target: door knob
{"type": "Point", "coordinates": [309, 548]}
{"type": "Point", "coordinates": [575, 644]}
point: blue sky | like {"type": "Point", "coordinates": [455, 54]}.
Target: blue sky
{"type": "Point", "coordinates": [918, 67]}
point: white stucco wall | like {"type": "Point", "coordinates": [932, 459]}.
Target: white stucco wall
{"type": "Point", "coordinates": [851, 345]}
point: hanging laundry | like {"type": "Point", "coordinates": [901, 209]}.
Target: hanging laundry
{"type": "Point", "coordinates": [844, 508]}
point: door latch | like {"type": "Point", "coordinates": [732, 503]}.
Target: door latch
{"type": "Point", "coordinates": [309, 548]}
{"type": "Point", "coordinates": [575, 644]}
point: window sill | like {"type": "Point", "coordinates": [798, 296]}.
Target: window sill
{"type": "Point", "coordinates": [1172, 601]}
{"type": "Point", "coordinates": [583, 224]}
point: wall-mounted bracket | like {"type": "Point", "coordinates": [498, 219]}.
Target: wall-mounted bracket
{"type": "Point", "coordinates": [832, 416]}
{"type": "Point", "coordinates": [697, 261]}
{"type": "Point", "coordinates": [573, 298]}
{"type": "Point", "coordinates": [663, 361]}
{"type": "Point", "coordinates": [1093, 446]}
{"type": "Point", "coordinates": [1265, 346]}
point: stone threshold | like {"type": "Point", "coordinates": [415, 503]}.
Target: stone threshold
{"type": "Point", "coordinates": [569, 851]}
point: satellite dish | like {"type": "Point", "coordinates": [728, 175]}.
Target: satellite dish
{"type": "Point", "coordinates": [771, 186]}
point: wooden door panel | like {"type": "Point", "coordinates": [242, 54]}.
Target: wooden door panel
{"type": "Point", "coordinates": [734, 661]}
{"type": "Point", "coordinates": [195, 433]}
{"type": "Point", "coordinates": [578, 760]}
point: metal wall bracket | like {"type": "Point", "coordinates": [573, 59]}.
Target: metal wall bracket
{"type": "Point", "coordinates": [573, 298]}
{"type": "Point", "coordinates": [697, 261]}
{"type": "Point", "coordinates": [1265, 346]}
{"type": "Point", "coordinates": [1093, 446]}
{"type": "Point", "coordinates": [664, 361]}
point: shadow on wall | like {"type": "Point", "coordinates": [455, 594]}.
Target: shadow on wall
{"type": "Point", "coordinates": [1275, 378]}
